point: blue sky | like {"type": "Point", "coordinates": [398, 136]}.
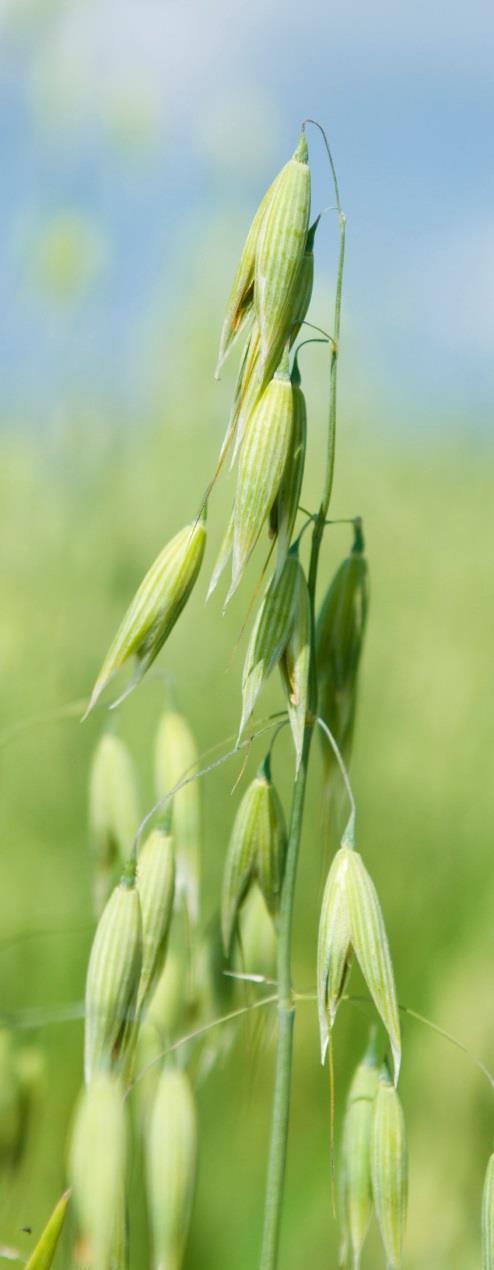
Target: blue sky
{"type": "Point", "coordinates": [126, 126]}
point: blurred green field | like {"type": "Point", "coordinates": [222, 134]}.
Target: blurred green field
{"type": "Point", "coordinates": [83, 512]}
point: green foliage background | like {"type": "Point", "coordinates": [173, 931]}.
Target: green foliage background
{"type": "Point", "coordinates": [83, 511]}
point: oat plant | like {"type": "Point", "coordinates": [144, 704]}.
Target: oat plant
{"type": "Point", "coordinates": [162, 987]}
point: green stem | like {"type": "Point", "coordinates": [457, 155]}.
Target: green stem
{"type": "Point", "coordinates": [286, 1017]}
{"type": "Point", "coordinates": [286, 1004]}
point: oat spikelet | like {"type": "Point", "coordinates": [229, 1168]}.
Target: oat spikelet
{"type": "Point", "coordinates": [155, 886]}
{"type": "Point", "coordinates": [334, 947]}
{"type": "Point", "coordinates": [97, 1168]}
{"type": "Point", "coordinates": [250, 383]}
{"type": "Point", "coordinates": [262, 462]}
{"type": "Point", "coordinates": [355, 1165]}
{"type": "Point", "coordinates": [270, 634]}
{"type": "Point", "coordinates": [156, 607]}
{"type": "Point", "coordinates": [352, 921]}
{"type": "Point", "coordinates": [171, 1167]}
{"type": "Point", "coordinates": [112, 981]}
{"type": "Point", "coordinates": [240, 300]}
{"type": "Point", "coordinates": [340, 630]}
{"type": "Point", "coordinates": [256, 851]}
{"type": "Point", "coordinates": [280, 250]}
{"type": "Point", "coordinates": [284, 511]}
{"type": "Point", "coordinates": [389, 1170]}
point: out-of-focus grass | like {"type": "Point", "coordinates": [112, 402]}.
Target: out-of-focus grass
{"type": "Point", "coordinates": [82, 516]}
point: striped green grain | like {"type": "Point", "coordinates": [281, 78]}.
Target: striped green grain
{"type": "Point", "coordinates": [355, 1163]}
{"type": "Point", "coordinates": [262, 461]}
{"type": "Point", "coordinates": [240, 299]}
{"type": "Point", "coordinates": [351, 919]}
{"type": "Point", "coordinates": [97, 1170]}
{"type": "Point", "coordinates": [370, 944]}
{"type": "Point", "coordinates": [156, 606]}
{"type": "Point", "coordinates": [112, 981]}
{"type": "Point", "coordinates": [171, 1157]}
{"type": "Point", "coordinates": [241, 858]}
{"type": "Point", "coordinates": [250, 383]}
{"type": "Point", "coordinates": [280, 250]}
{"type": "Point", "coordinates": [389, 1170]}
{"type": "Point", "coordinates": [155, 886]}
{"type": "Point", "coordinates": [256, 851]}
{"type": "Point", "coordinates": [333, 948]}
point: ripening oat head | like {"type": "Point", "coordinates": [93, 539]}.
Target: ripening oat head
{"type": "Point", "coordinates": [97, 1167]}
{"type": "Point", "coordinates": [43, 1254]}
{"type": "Point", "coordinates": [280, 250]}
{"type": "Point", "coordinates": [240, 300]}
{"type": "Point", "coordinates": [389, 1169]}
{"type": "Point", "coordinates": [340, 630]}
{"type": "Point", "coordinates": [262, 461]}
{"type": "Point", "coordinates": [112, 982]}
{"type": "Point", "coordinates": [295, 665]}
{"type": "Point", "coordinates": [270, 634]}
{"type": "Point", "coordinates": [176, 757]}
{"type": "Point", "coordinates": [488, 1218]}
{"type": "Point", "coordinates": [113, 812]}
{"type": "Point", "coordinates": [355, 1163]}
{"type": "Point", "coordinates": [155, 886]}
{"type": "Point", "coordinates": [171, 1159]}
{"type": "Point", "coordinates": [156, 606]}
{"type": "Point", "coordinates": [351, 920]}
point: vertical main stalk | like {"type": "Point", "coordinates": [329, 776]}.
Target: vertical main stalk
{"type": "Point", "coordinates": [286, 1005]}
